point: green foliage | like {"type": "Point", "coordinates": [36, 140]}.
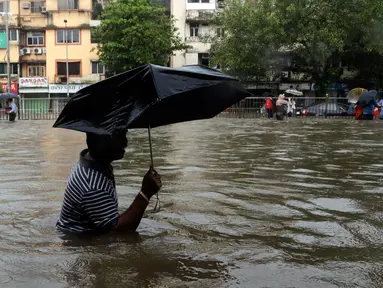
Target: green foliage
{"type": "Point", "coordinates": [249, 46]}
{"type": "Point", "coordinates": [319, 34]}
{"type": "Point", "coordinates": [136, 32]}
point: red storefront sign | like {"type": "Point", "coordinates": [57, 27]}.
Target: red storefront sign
{"type": "Point", "coordinates": [13, 87]}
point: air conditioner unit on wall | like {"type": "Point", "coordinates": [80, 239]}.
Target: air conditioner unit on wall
{"type": "Point", "coordinates": [27, 51]}
{"type": "Point", "coordinates": [45, 50]}
{"type": "Point", "coordinates": [285, 74]}
{"type": "Point", "coordinates": [61, 79]}
{"type": "Point", "coordinates": [38, 51]}
{"type": "Point", "coordinates": [43, 9]}
{"type": "Point", "coordinates": [26, 5]}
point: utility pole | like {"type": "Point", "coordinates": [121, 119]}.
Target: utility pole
{"type": "Point", "coordinates": [8, 50]}
{"type": "Point", "coordinates": [67, 63]}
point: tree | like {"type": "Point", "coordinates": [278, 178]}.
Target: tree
{"type": "Point", "coordinates": [249, 45]}
{"type": "Point", "coordinates": [323, 34]}
{"type": "Point", "coordinates": [136, 32]}
{"type": "Point", "coordinates": [319, 34]}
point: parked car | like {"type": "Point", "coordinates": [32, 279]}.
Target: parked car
{"type": "Point", "coordinates": [322, 109]}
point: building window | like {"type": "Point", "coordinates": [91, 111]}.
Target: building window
{"type": "Point", "coordinates": [97, 68]}
{"type": "Point", "coordinates": [68, 4]}
{"type": "Point", "coordinates": [198, 1]}
{"type": "Point", "coordinates": [13, 35]}
{"type": "Point", "coordinates": [36, 71]}
{"type": "Point", "coordinates": [73, 67]}
{"type": "Point", "coordinates": [2, 7]}
{"type": "Point", "coordinates": [36, 7]}
{"type": "Point", "coordinates": [220, 32]}
{"type": "Point", "coordinates": [35, 38]}
{"type": "Point", "coordinates": [203, 59]}
{"type": "Point", "coordinates": [194, 29]}
{"type": "Point", "coordinates": [73, 36]}
{"type": "Point", "coordinates": [14, 68]}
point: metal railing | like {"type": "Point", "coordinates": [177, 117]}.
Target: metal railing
{"type": "Point", "coordinates": [326, 107]}
{"type": "Point", "coordinates": [252, 107]}
{"type": "Point", "coordinates": [35, 108]}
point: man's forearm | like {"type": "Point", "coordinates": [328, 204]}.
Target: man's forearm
{"type": "Point", "coordinates": [131, 218]}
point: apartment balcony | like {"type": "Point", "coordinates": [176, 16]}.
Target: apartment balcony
{"type": "Point", "coordinates": [198, 47]}
{"type": "Point", "coordinates": [192, 39]}
{"type": "Point", "coordinates": [89, 79]}
{"type": "Point", "coordinates": [12, 21]}
{"type": "Point", "coordinates": [33, 55]}
{"type": "Point", "coordinates": [201, 16]}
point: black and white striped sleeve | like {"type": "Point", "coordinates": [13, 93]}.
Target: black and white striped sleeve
{"type": "Point", "coordinates": [101, 209]}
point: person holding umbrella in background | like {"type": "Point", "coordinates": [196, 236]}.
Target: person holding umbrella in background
{"type": "Point", "coordinates": [368, 101]}
{"type": "Point", "coordinates": [353, 97]}
{"type": "Point", "coordinates": [12, 110]}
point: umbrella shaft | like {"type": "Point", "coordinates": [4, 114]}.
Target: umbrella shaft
{"type": "Point", "coordinates": [150, 145]}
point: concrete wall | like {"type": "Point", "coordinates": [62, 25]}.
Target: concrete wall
{"type": "Point", "coordinates": [178, 10]}
{"type": "Point", "coordinates": [76, 53]}
{"type": "Point", "coordinates": [191, 58]}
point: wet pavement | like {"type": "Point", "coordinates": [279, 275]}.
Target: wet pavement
{"type": "Point", "coordinates": [245, 203]}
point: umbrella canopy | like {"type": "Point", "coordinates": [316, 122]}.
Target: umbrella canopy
{"type": "Point", "coordinates": [354, 94]}
{"type": "Point", "coordinates": [294, 92]}
{"type": "Point", "coordinates": [150, 96]}
{"type": "Point", "coordinates": [6, 96]}
{"type": "Point", "coordinates": [367, 97]}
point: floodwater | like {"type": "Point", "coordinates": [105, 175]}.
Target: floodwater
{"type": "Point", "coordinates": [245, 203]}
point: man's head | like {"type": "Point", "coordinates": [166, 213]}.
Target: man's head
{"type": "Point", "coordinates": [107, 148]}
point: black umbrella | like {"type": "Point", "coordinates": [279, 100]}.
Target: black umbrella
{"type": "Point", "coordinates": [366, 98]}
{"type": "Point", "coordinates": [150, 96]}
{"type": "Point", "coordinates": [6, 96]}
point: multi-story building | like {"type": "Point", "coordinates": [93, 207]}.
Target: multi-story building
{"type": "Point", "coordinates": [193, 20]}
{"type": "Point", "coordinates": [37, 45]}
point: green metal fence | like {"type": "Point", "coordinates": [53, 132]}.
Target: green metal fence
{"type": "Point", "coordinates": [253, 107]}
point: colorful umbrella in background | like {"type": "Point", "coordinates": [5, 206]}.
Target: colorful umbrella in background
{"type": "Point", "coordinates": [367, 97]}
{"type": "Point", "coordinates": [354, 94]}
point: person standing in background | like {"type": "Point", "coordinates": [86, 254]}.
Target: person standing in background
{"type": "Point", "coordinates": [269, 106]}
{"type": "Point", "coordinates": [368, 110]}
{"type": "Point", "coordinates": [281, 106]}
{"type": "Point", "coordinates": [290, 107]}
{"type": "Point", "coordinates": [13, 110]}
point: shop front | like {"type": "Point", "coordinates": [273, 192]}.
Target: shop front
{"type": "Point", "coordinates": [34, 95]}
{"type": "Point", "coordinates": [13, 87]}
{"type": "Point", "coordinates": [61, 90]}
{"type": "Point", "coordinates": [262, 89]}
{"type": "Point", "coordinates": [58, 94]}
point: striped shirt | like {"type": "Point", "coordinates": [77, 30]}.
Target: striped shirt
{"type": "Point", "coordinates": [90, 201]}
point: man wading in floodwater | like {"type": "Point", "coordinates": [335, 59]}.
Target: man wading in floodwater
{"type": "Point", "coordinates": [90, 201]}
